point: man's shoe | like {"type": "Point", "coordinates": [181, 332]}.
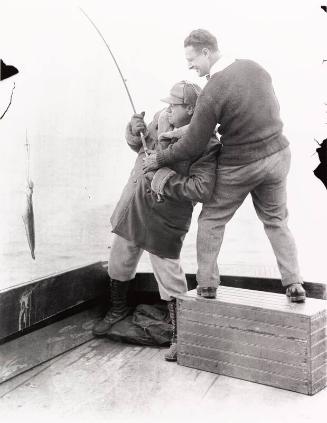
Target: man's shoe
{"type": "Point", "coordinates": [296, 293]}
{"type": "Point", "coordinates": [102, 327]}
{"type": "Point", "coordinates": [206, 292]}
{"type": "Point", "coordinates": [119, 309]}
{"type": "Point", "coordinates": [171, 355]}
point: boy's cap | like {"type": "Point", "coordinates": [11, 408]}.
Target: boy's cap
{"type": "Point", "coordinates": [183, 92]}
{"type": "Point", "coordinates": [6, 71]}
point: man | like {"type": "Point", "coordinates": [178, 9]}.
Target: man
{"type": "Point", "coordinates": [154, 213]}
{"type": "Point", "coordinates": [255, 158]}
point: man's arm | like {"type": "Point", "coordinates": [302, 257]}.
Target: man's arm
{"type": "Point", "coordinates": [197, 186]}
{"type": "Point", "coordinates": [194, 143]}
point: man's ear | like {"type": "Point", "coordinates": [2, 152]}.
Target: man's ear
{"type": "Point", "coordinates": [205, 51]}
{"type": "Point", "coordinates": [190, 109]}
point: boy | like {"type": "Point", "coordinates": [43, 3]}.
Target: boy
{"type": "Point", "coordinates": [154, 211]}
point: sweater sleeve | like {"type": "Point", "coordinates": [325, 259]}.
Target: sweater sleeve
{"type": "Point", "coordinates": [195, 141]}
{"type": "Point", "coordinates": [197, 186]}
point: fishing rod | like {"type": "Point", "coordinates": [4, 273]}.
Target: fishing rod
{"type": "Point", "coordinates": [12, 92]}
{"type": "Point", "coordinates": [120, 73]}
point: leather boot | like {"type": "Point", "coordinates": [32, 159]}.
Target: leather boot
{"type": "Point", "coordinates": [119, 309]}
{"type": "Point", "coordinates": [171, 355]}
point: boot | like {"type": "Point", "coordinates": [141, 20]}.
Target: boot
{"type": "Point", "coordinates": [171, 355]}
{"type": "Point", "coordinates": [119, 309]}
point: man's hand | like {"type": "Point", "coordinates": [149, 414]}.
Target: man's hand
{"type": "Point", "coordinates": [149, 176]}
{"type": "Point", "coordinates": [137, 124]}
{"type": "Point", "coordinates": [150, 162]}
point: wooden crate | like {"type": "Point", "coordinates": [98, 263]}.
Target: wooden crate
{"type": "Point", "coordinates": [257, 336]}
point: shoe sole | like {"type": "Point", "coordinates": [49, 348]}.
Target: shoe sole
{"type": "Point", "coordinates": [210, 297]}
{"type": "Point", "coordinates": [206, 295]}
{"type": "Point", "coordinates": [297, 299]}
{"type": "Point", "coordinates": [171, 359]}
{"type": "Point", "coordinates": [99, 334]}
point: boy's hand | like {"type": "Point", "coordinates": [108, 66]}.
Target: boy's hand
{"type": "Point", "coordinates": [150, 162]}
{"type": "Point", "coordinates": [137, 123]}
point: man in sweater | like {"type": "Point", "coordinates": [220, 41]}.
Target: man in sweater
{"type": "Point", "coordinates": [255, 158]}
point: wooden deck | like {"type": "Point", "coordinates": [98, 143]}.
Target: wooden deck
{"type": "Point", "coordinates": [59, 372]}
{"type": "Point", "coordinates": [104, 381]}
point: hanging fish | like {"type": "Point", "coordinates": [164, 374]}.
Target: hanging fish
{"type": "Point", "coordinates": [28, 216]}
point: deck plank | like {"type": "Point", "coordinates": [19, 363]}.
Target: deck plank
{"type": "Point", "coordinates": [37, 347]}
{"type": "Point", "coordinates": [107, 381]}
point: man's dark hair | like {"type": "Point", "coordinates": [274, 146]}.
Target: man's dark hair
{"type": "Point", "coordinates": [201, 38]}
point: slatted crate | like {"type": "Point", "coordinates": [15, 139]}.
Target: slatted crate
{"type": "Point", "coordinates": [257, 336]}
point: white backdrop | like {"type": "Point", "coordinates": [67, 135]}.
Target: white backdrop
{"type": "Point", "coordinates": [71, 101]}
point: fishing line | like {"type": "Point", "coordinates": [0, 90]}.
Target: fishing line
{"type": "Point", "coordinates": [120, 73]}
{"type": "Point", "coordinates": [28, 159]}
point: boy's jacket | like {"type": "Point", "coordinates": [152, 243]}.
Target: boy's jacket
{"type": "Point", "coordinates": [160, 227]}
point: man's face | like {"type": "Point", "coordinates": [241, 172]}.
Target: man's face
{"type": "Point", "coordinates": [178, 115]}
{"type": "Point", "coordinates": [198, 60]}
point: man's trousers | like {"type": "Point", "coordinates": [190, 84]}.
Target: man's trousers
{"type": "Point", "coordinates": [265, 180]}
{"type": "Point", "coordinates": [123, 261]}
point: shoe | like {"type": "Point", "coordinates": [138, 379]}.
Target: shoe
{"type": "Point", "coordinates": [118, 311]}
{"type": "Point", "coordinates": [296, 293]}
{"type": "Point", "coordinates": [206, 292]}
{"type": "Point", "coordinates": [171, 355]}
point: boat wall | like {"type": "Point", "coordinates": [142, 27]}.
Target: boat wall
{"type": "Point", "coordinates": [26, 306]}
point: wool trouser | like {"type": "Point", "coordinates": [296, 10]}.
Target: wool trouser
{"type": "Point", "coordinates": [123, 261]}
{"type": "Point", "coordinates": [265, 180]}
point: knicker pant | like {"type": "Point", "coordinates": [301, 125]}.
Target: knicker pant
{"type": "Point", "coordinates": [125, 256]}
{"type": "Point", "coordinates": [265, 180]}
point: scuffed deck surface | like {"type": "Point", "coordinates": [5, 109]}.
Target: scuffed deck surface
{"type": "Point", "coordinates": [107, 381]}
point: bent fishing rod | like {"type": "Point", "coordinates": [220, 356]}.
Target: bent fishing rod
{"type": "Point", "coordinates": [12, 92]}
{"type": "Point", "coordinates": [120, 73]}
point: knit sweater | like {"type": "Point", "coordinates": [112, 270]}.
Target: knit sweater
{"type": "Point", "coordinates": [241, 99]}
